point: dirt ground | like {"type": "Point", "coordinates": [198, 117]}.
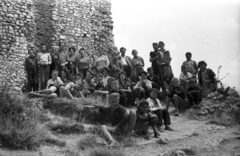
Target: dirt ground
{"type": "Point", "coordinates": [200, 136]}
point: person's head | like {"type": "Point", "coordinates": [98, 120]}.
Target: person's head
{"type": "Point", "coordinates": [55, 49]}
{"type": "Point", "coordinates": [150, 71]}
{"type": "Point", "coordinates": [192, 82]}
{"type": "Point", "coordinates": [202, 65]}
{"type": "Point", "coordinates": [134, 52]}
{"type": "Point", "coordinates": [109, 81]}
{"type": "Point", "coordinates": [64, 74]}
{"type": "Point", "coordinates": [167, 70]}
{"type": "Point", "coordinates": [114, 99]}
{"type": "Point", "coordinates": [154, 93]}
{"type": "Point", "coordinates": [188, 56]}
{"type": "Point", "coordinates": [175, 82]}
{"type": "Point", "coordinates": [98, 76]}
{"type": "Point", "coordinates": [161, 45]}
{"type": "Point", "coordinates": [62, 46]}
{"type": "Point", "coordinates": [122, 76]}
{"type": "Point", "coordinates": [155, 46]}
{"type": "Point", "coordinates": [71, 51]}
{"type": "Point", "coordinates": [105, 71]}
{"type": "Point", "coordinates": [54, 74]}
{"type": "Point", "coordinates": [94, 70]}
{"type": "Point", "coordinates": [123, 51]}
{"type": "Point", "coordinates": [184, 69]}
{"type": "Point", "coordinates": [133, 73]}
{"type": "Point", "coordinates": [44, 47]}
{"type": "Point", "coordinates": [143, 75]}
{"type": "Point", "coordinates": [31, 53]}
{"type": "Point", "coordinates": [115, 74]}
{"type": "Point", "coordinates": [115, 85]}
{"type": "Point", "coordinates": [89, 76]}
{"type": "Point", "coordinates": [81, 52]}
{"type": "Point", "coordinates": [143, 106]}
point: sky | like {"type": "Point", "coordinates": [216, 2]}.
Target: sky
{"type": "Point", "coordinates": [209, 30]}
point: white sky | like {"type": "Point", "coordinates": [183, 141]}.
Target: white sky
{"type": "Point", "coordinates": [210, 30]}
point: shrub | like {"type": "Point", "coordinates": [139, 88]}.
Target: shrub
{"type": "Point", "coordinates": [88, 141]}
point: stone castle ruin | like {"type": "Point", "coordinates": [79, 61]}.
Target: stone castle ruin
{"type": "Point", "coordinates": [25, 24]}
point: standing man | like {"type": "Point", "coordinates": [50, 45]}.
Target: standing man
{"type": "Point", "coordinates": [137, 62]}
{"type": "Point", "coordinates": [153, 58]}
{"type": "Point", "coordinates": [63, 56]}
{"type": "Point", "coordinates": [164, 59]}
{"type": "Point", "coordinates": [190, 64]}
{"type": "Point", "coordinates": [126, 62]}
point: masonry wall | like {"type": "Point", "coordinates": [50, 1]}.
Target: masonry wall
{"type": "Point", "coordinates": [28, 23]}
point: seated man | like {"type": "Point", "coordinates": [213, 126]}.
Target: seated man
{"type": "Point", "coordinates": [176, 95]}
{"type": "Point", "coordinates": [122, 121]}
{"type": "Point", "coordinates": [194, 93]}
{"type": "Point", "coordinates": [185, 76]}
{"type": "Point", "coordinates": [156, 108]}
{"type": "Point", "coordinates": [143, 86]}
{"type": "Point", "coordinates": [53, 87]}
{"type": "Point", "coordinates": [153, 78]}
{"type": "Point", "coordinates": [88, 85]}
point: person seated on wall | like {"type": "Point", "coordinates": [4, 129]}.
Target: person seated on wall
{"type": "Point", "coordinates": [194, 93]}
{"type": "Point", "coordinates": [209, 82]}
{"type": "Point", "coordinates": [185, 77]}
{"type": "Point", "coordinates": [65, 77]}
{"type": "Point", "coordinates": [176, 95]}
{"type": "Point", "coordinates": [156, 107]}
{"type": "Point", "coordinates": [115, 89]}
{"type": "Point", "coordinates": [123, 122]}
{"type": "Point", "coordinates": [109, 83]}
{"type": "Point", "coordinates": [153, 78]}
{"type": "Point", "coordinates": [53, 87]}
{"type": "Point", "coordinates": [125, 86]}
{"type": "Point", "coordinates": [97, 78]}
{"type": "Point", "coordinates": [145, 118]}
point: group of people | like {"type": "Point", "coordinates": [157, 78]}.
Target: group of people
{"type": "Point", "coordinates": [123, 83]}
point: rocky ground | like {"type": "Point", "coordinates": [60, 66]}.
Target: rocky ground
{"type": "Point", "coordinates": [197, 131]}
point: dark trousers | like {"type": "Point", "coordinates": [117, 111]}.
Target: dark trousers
{"type": "Point", "coordinates": [127, 70]}
{"type": "Point", "coordinates": [194, 96]}
{"type": "Point", "coordinates": [155, 70]}
{"type": "Point", "coordinates": [44, 73]}
{"type": "Point", "coordinates": [162, 115]}
{"type": "Point", "coordinates": [32, 76]}
{"type": "Point", "coordinates": [84, 72]}
{"type": "Point", "coordinates": [139, 70]}
{"type": "Point", "coordinates": [138, 93]}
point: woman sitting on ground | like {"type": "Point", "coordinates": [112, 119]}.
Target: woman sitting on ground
{"type": "Point", "coordinates": [125, 86]}
{"type": "Point", "coordinates": [53, 87]}
{"type": "Point", "coordinates": [122, 121]}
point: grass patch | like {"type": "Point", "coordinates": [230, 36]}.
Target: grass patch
{"type": "Point", "coordinates": [69, 129]}
{"type": "Point", "coordinates": [89, 141]}
{"type": "Point", "coordinates": [54, 141]}
{"type": "Point", "coordinates": [107, 152]}
{"type": "Point", "coordinates": [71, 153]}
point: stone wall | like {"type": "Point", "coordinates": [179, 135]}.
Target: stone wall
{"type": "Point", "coordinates": [26, 24]}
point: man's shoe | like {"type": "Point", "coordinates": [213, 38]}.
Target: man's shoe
{"type": "Point", "coordinates": [168, 128]}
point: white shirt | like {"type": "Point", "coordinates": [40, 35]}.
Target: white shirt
{"type": "Point", "coordinates": [153, 106]}
{"type": "Point", "coordinates": [123, 60]}
{"type": "Point", "coordinates": [56, 82]}
{"type": "Point", "coordinates": [185, 77]}
{"type": "Point", "coordinates": [147, 83]}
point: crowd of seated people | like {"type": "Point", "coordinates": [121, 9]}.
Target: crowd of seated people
{"type": "Point", "coordinates": [74, 74]}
